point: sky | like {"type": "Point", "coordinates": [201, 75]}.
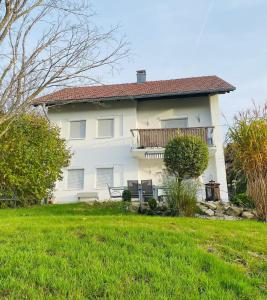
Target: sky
{"type": "Point", "coordinates": [177, 38]}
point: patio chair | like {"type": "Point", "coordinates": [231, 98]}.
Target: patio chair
{"type": "Point", "coordinates": [115, 192]}
{"type": "Point", "coordinates": [147, 189]}
{"type": "Point", "coordinates": [133, 187]}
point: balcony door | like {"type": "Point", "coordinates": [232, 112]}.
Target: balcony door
{"type": "Point", "coordinates": [175, 123]}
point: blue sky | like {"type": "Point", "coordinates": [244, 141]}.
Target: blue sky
{"type": "Point", "coordinates": [175, 38]}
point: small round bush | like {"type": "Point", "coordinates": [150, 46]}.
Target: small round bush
{"type": "Point", "coordinates": [152, 203]}
{"type": "Point", "coordinates": [126, 195]}
{"type": "Point", "coordinates": [186, 157]}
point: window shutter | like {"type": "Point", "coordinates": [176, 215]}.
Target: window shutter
{"type": "Point", "coordinates": [174, 123]}
{"type": "Point", "coordinates": [105, 128]}
{"type": "Point", "coordinates": [77, 129]}
{"type": "Point", "coordinates": [104, 177]}
{"type": "Point", "coordinates": [75, 179]}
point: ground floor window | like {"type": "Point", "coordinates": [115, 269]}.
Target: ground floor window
{"type": "Point", "coordinates": [104, 177]}
{"type": "Point", "coordinates": [75, 179]}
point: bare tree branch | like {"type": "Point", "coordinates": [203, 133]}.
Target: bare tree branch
{"type": "Point", "coordinates": [48, 44]}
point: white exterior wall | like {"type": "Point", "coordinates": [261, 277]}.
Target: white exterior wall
{"type": "Point", "coordinates": [150, 113]}
{"type": "Point", "coordinates": [201, 112]}
{"type": "Point", "coordinates": [93, 152]}
{"type": "Point", "coordinates": [219, 161]}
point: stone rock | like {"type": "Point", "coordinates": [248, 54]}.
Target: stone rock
{"type": "Point", "coordinates": [219, 214]}
{"type": "Point", "coordinates": [133, 208]}
{"type": "Point", "coordinates": [234, 211]}
{"type": "Point", "coordinates": [225, 207]}
{"type": "Point", "coordinates": [201, 208]}
{"type": "Point", "coordinates": [209, 212]}
{"type": "Point", "coordinates": [211, 205]}
{"type": "Point", "coordinates": [231, 218]}
{"type": "Point", "coordinates": [247, 215]}
{"type": "Point", "coordinates": [222, 211]}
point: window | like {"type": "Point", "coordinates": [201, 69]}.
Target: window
{"type": "Point", "coordinates": [105, 128]}
{"type": "Point", "coordinates": [77, 129]}
{"type": "Point", "coordinates": [104, 177]}
{"type": "Point", "coordinates": [75, 179]}
{"type": "Point", "coordinates": [174, 123]}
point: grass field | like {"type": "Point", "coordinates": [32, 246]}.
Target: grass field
{"type": "Point", "coordinates": [82, 252]}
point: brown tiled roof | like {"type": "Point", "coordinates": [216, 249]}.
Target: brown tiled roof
{"type": "Point", "coordinates": [172, 87]}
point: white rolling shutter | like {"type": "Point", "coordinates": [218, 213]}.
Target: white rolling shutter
{"type": "Point", "coordinates": [105, 128]}
{"type": "Point", "coordinates": [77, 129]}
{"type": "Point", "coordinates": [175, 123]}
{"type": "Point", "coordinates": [75, 179]}
{"type": "Point", "coordinates": [104, 177]}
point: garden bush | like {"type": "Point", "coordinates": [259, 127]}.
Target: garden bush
{"type": "Point", "coordinates": [181, 197]}
{"type": "Point", "coordinates": [32, 156]}
{"type": "Point", "coordinates": [152, 203]}
{"type": "Point", "coordinates": [126, 195]}
{"type": "Point", "coordinates": [242, 200]}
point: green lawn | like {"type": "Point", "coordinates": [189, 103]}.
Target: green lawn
{"type": "Point", "coordinates": [83, 252]}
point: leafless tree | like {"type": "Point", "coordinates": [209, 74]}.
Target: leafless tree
{"type": "Point", "coordinates": [47, 44]}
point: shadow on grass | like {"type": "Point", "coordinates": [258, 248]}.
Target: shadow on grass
{"type": "Point", "coordinates": [96, 209]}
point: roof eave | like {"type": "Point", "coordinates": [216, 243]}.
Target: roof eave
{"type": "Point", "coordinates": [138, 97]}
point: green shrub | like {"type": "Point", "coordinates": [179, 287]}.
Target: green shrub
{"type": "Point", "coordinates": [152, 203]}
{"type": "Point", "coordinates": [32, 156]}
{"type": "Point", "coordinates": [186, 157]}
{"type": "Point", "coordinates": [181, 197]}
{"type": "Point", "coordinates": [248, 136]}
{"type": "Point", "coordinates": [126, 195]}
{"type": "Point", "coordinates": [242, 200]}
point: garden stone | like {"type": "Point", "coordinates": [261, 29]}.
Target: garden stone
{"type": "Point", "coordinates": [209, 212]}
{"type": "Point", "coordinates": [133, 208]}
{"type": "Point", "coordinates": [231, 218]}
{"type": "Point", "coordinates": [234, 211]}
{"type": "Point", "coordinates": [201, 202]}
{"type": "Point", "coordinates": [226, 207]}
{"type": "Point", "coordinates": [247, 215]}
{"type": "Point", "coordinates": [202, 208]}
{"type": "Point", "coordinates": [219, 214]}
{"type": "Point", "coordinates": [211, 205]}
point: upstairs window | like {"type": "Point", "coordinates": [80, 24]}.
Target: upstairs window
{"type": "Point", "coordinates": [175, 123]}
{"type": "Point", "coordinates": [77, 129]}
{"type": "Point", "coordinates": [104, 177]}
{"type": "Point", "coordinates": [105, 128]}
{"type": "Point", "coordinates": [75, 179]}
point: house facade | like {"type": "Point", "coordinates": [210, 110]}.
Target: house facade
{"type": "Point", "coordinates": [118, 132]}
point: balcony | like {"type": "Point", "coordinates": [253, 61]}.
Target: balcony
{"type": "Point", "coordinates": [150, 143]}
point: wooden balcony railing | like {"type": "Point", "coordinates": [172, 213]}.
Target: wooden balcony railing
{"type": "Point", "coordinates": [158, 138]}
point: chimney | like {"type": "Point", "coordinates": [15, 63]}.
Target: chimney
{"type": "Point", "coordinates": [141, 76]}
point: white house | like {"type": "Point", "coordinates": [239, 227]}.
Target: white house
{"type": "Point", "coordinates": [118, 132]}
